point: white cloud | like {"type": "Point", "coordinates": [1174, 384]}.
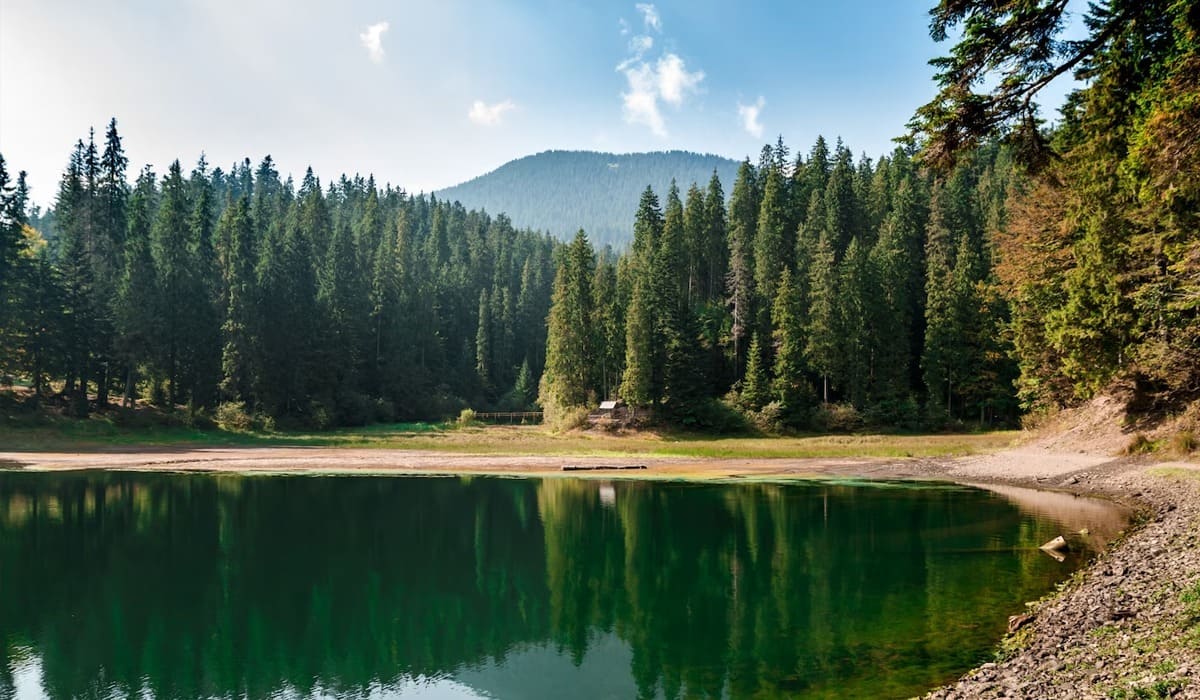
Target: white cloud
{"type": "Point", "coordinates": [641, 102]}
{"type": "Point", "coordinates": [674, 80]}
{"type": "Point", "coordinates": [640, 44]}
{"type": "Point", "coordinates": [624, 26]}
{"type": "Point", "coordinates": [650, 16]}
{"type": "Point", "coordinates": [749, 116]}
{"type": "Point", "coordinates": [372, 39]}
{"type": "Point", "coordinates": [668, 80]}
{"type": "Point", "coordinates": [484, 114]}
{"type": "Point", "coordinates": [651, 83]}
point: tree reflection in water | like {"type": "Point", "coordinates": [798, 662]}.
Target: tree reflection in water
{"type": "Point", "coordinates": [118, 584]}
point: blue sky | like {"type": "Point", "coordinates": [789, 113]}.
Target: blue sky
{"type": "Point", "coordinates": [427, 94]}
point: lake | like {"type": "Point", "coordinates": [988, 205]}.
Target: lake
{"type": "Point", "coordinates": [120, 584]}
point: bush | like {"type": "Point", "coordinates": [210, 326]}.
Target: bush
{"type": "Point", "coordinates": [716, 417]}
{"type": "Point", "coordinates": [838, 418]}
{"type": "Point", "coordinates": [1140, 445]}
{"type": "Point", "coordinates": [901, 413]}
{"type": "Point", "coordinates": [1184, 442]}
{"type": "Point", "coordinates": [198, 418]}
{"type": "Point", "coordinates": [232, 416]}
{"type": "Point", "coordinates": [769, 418]}
{"type": "Point", "coordinates": [560, 418]}
{"type": "Point", "coordinates": [320, 417]}
{"type": "Point", "coordinates": [466, 418]}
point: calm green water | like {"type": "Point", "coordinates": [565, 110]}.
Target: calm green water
{"type": "Point", "coordinates": [171, 586]}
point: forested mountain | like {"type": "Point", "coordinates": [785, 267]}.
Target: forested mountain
{"type": "Point", "coordinates": [564, 191]}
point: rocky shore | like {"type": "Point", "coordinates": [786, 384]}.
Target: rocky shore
{"type": "Point", "coordinates": [1128, 625]}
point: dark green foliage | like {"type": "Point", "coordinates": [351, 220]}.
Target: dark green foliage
{"type": "Point", "coordinates": [742, 228]}
{"type": "Point", "coordinates": [1096, 249]}
{"type": "Point", "coordinates": [310, 307]}
{"type": "Point", "coordinates": [237, 229]}
{"type": "Point", "coordinates": [570, 378]}
{"type": "Point", "coordinates": [346, 304]}
{"type": "Point", "coordinates": [756, 390]}
{"type": "Point", "coordinates": [790, 386]}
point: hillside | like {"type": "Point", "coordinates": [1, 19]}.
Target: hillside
{"type": "Point", "coordinates": [563, 191]}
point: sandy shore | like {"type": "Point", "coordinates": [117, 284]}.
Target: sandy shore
{"type": "Point", "coordinates": [1028, 466]}
{"type": "Point", "coordinates": [1123, 627]}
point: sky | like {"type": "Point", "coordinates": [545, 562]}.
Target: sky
{"type": "Point", "coordinates": [428, 94]}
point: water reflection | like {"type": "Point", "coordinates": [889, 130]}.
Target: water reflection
{"type": "Point", "coordinates": [174, 586]}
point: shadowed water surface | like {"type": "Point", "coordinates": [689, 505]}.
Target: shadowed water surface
{"type": "Point", "coordinates": [199, 586]}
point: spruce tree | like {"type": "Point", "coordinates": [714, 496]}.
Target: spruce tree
{"type": "Point", "coordinates": [676, 331]}
{"type": "Point", "coordinates": [756, 386]}
{"type": "Point", "coordinates": [857, 299]}
{"type": "Point", "coordinates": [821, 347]}
{"type": "Point", "coordinates": [483, 342]}
{"type": "Point", "coordinates": [790, 386]}
{"type": "Point", "coordinates": [237, 227]}
{"type": "Point", "coordinates": [743, 227]}
{"type": "Point", "coordinates": [715, 246]}
{"type": "Point", "coordinates": [773, 244]}
{"type": "Point", "coordinates": [203, 344]}
{"type": "Point", "coordinates": [73, 213]}
{"type": "Point", "coordinates": [176, 299]}
{"type": "Point", "coordinates": [136, 300]}
{"type": "Point", "coordinates": [569, 378]}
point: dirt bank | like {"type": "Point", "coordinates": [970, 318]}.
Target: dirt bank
{"type": "Point", "coordinates": [1126, 626]}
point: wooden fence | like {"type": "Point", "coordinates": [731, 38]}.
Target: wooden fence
{"type": "Point", "coordinates": [511, 417]}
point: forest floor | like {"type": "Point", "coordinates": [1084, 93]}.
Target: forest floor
{"type": "Point", "coordinates": [1126, 626]}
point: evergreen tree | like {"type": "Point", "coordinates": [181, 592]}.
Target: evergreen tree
{"type": "Point", "coordinates": [756, 386]}
{"type": "Point", "coordinates": [73, 213]}
{"type": "Point", "coordinates": [637, 382]}
{"type": "Point", "coordinates": [857, 299]}
{"type": "Point", "coordinates": [483, 342]}
{"type": "Point", "coordinates": [821, 347]}
{"type": "Point", "coordinates": [203, 331]}
{"type": "Point", "coordinates": [569, 379]}
{"type": "Point", "coordinates": [176, 298]}
{"type": "Point", "coordinates": [644, 353]}
{"type": "Point", "coordinates": [676, 332]}
{"type": "Point", "coordinates": [773, 244]}
{"type": "Point", "coordinates": [743, 226]}
{"type": "Point", "coordinates": [790, 386]}
{"type": "Point", "coordinates": [137, 290]}
{"type": "Point", "coordinates": [237, 227]}
{"type": "Point", "coordinates": [715, 246]}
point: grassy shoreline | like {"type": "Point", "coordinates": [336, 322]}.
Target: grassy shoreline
{"type": "Point", "coordinates": [101, 434]}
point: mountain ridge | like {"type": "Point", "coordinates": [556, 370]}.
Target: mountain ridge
{"type": "Point", "coordinates": [562, 191]}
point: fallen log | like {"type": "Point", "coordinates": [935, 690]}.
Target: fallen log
{"type": "Point", "coordinates": [599, 467]}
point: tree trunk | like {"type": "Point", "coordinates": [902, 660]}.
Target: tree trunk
{"type": "Point", "coordinates": [102, 387]}
{"type": "Point", "coordinates": [127, 397]}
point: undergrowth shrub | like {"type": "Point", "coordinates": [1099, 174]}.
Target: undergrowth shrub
{"type": "Point", "coordinates": [1140, 445]}
{"type": "Point", "coordinates": [838, 418]}
{"type": "Point", "coordinates": [232, 415]}
{"type": "Point", "coordinates": [1184, 443]}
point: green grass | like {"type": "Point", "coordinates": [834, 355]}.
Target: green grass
{"type": "Point", "coordinates": [103, 433]}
